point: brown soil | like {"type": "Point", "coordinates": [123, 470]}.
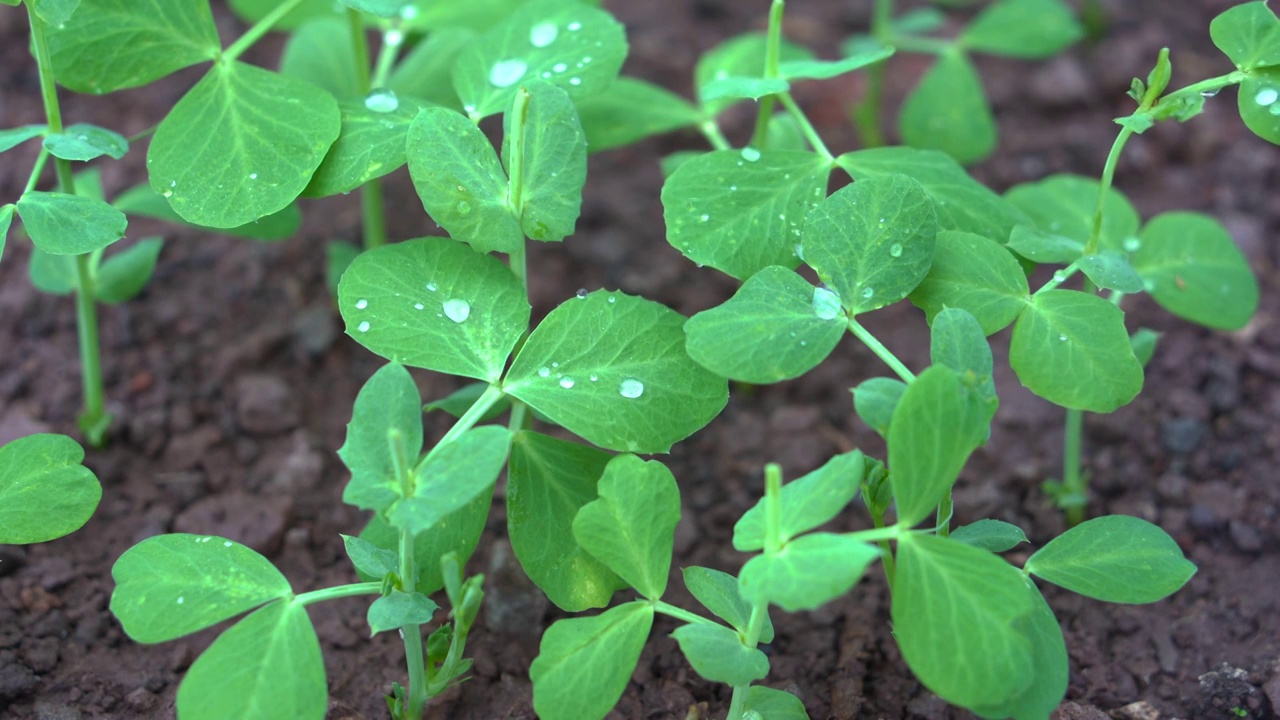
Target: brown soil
{"type": "Point", "coordinates": [233, 384]}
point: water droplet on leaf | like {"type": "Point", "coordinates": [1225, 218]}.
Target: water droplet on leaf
{"type": "Point", "coordinates": [393, 38]}
{"type": "Point", "coordinates": [543, 34]}
{"type": "Point", "coordinates": [1266, 96]}
{"type": "Point", "coordinates": [750, 154]}
{"type": "Point", "coordinates": [363, 327]}
{"type": "Point", "coordinates": [826, 304]}
{"type": "Point", "coordinates": [895, 250]}
{"type": "Point", "coordinates": [581, 294]}
{"type": "Point", "coordinates": [575, 26]}
{"type": "Point", "coordinates": [464, 207]}
{"type": "Point", "coordinates": [631, 388]}
{"type": "Point", "coordinates": [544, 372]}
{"type": "Point", "coordinates": [1132, 244]}
{"type": "Point", "coordinates": [362, 304]}
{"type": "Point", "coordinates": [457, 310]}
{"type": "Point", "coordinates": [382, 100]}
{"type": "Point", "coordinates": [506, 73]}
{"type": "Point", "coordinates": [566, 382]}
{"type": "Point", "coordinates": [868, 292]}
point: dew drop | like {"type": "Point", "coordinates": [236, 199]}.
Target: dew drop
{"type": "Point", "coordinates": [1274, 109]}
{"type": "Point", "coordinates": [408, 12]}
{"type": "Point", "coordinates": [826, 304]}
{"type": "Point", "coordinates": [1059, 275]}
{"type": "Point", "coordinates": [362, 304]}
{"type": "Point", "coordinates": [575, 26]}
{"type": "Point", "coordinates": [544, 372]}
{"type": "Point", "coordinates": [750, 154]}
{"type": "Point", "coordinates": [253, 176]}
{"type": "Point", "coordinates": [868, 292]}
{"type": "Point", "coordinates": [594, 377]}
{"type": "Point", "coordinates": [363, 327]}
{"type": "Point", "coordinates": [581, 294]}
{"type": "Point", "coordinates": [180, 599]}
{"type": "Point", "coordinates": [506, 73]}
{"type": "Point", "coordinates": [418, 306]}
{"type": "Point", "coordinates": [393, 38]}
{"type": "Point", "coordinates": [631, 388]}
{"type": "Point", "coordinates": [382, 100]}
{"type": "Point", "coordinates": [566, 382]}
{"type": "Point", "coordinates": [704, 217]}
{"type": "Point", "coordinates": [612, 300]}
{"type": "Point", "coordinates": [464, 207]}
{"type": "Point", "coordinates": [543, 34]}
{"type": "Point", "coordinates": [431, 286]}
{"type": "Point", "coordinates": [1132, 244]}
{"type": "Point", "coordinates": [559, 67]}
{"type": "Point", "coordinates": [1266, 96]}
{"type": "Point", "coordinates": [167, 193]}
{"type": "Point", "coordinates": [798, 249]}
{"type": "Point", "coordinates": [457, 310]}
{"type": "Point", "coordinates": [895, 250]}
{"type": "Point", "coordinates": [226, 543]}
{"type": "Point", "coordinates": [1209, 93]}
{"type": "Point", "coordinates": [575, 81]}
{"type": "Point", "coordinates": [1062, 338]}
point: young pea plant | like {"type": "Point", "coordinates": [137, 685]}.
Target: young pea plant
{"type": "Point", "coordinates": [948, 109]}
{"type": "Point", "coordinates": [45, 491]}
{"type": "Point", "coordinates": [606, 366]}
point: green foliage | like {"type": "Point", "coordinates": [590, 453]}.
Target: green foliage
{"type": "Point", "coordinates": [976, 274]}
{"type": "Point", "coordinates": [1249, 34]}
{"type": "Point", "coordinates": [583, 664]}
{"type": "Point", "coordinates": [85, 142]}
{"type": "Point", "coordinates": [1195, 271]}
{"type": "Point", "coordinates": [142, 201]}
{"type": "Point", "coordinates": [62, 224]}
{"type": "Point", "coordinates": [631, 109]}
{"type": "Point", "coordinates": [435, 303]}
{"type": "Point", "coordinates": [1028, 29]}
{"type": "Point", "coordinates": [123, 275]}
{"type": "Point", "coordinates": [451, 477]}
{"type": "Point", "coordinates": [812, 570]}
{"type": "Point", "coordinates": [1259, 101]}
{"type": "Point", "coordinates": [554, 165]}
{"type": "Point", "coordinates": [612, 369]}
{"type": "Point", "coordinates": [388, 403]}
{"type": "Point", "coordinates": [948, 111]}
{"type": "Point", "coordinates": [398, 610]}
{"type": "Point", "coordinates": [875, 400]}
{"type": "Point", "coordinates": [993, 535]}
{"type": "Point", "coordinates": [775, 704]}
{"type": "Point", "coordinates": [1115, 558]}
{"type": "Point", "coordinates": [1064, 205]}
{"type": "Point", "coordinates": [6, 218]}
{"type": "Point", "coordinates": [717, 654]}
{"type": "Point", "coordinates": [458, 534]}
{"type": "Point", "coordinates": [45, 492]}
{"type": "Point", "coordinates": [807, 503]}
{"type": "Point", "coordinates": [370, 144]}
{"type": "Point", "coordinates": [719, 593]}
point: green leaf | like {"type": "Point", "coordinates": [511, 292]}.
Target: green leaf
{"type": "Point", "coordinates": [387, 403]}
{"type": "Point", "coordinates": [436, 304]}
{"type": "Point", "coordinates": [459, 401]}
{"type": "Point", "coordinates": [1249, 34]}
{"type": "Point", "coordinates": [85, 142]}
{"type": "Point", "coordinates": [773, 704]}
{"type": "Point", "coordinates": [62, 224]}
{"type": "Point", "coordinates": [6, 218]}
{"type": "Point", "coordinates": [476, 16]}
{"type": "Point", "coordinates": [54, 12]}
{"type": "Point", "coordinates": [956, 612]}
{"type": "Point", "coordinates": [717, 654]}
{"type": "Point", "coordinates": [115, 44]}
{"type": "Point", "coordinates": [718, 592]}
{"type": "Point", "coordinates": [784, 133]}
{"type": "Point", "coordinates": [1072, 349]}
{"type": "Point", "coordinates": [425, 71]}
{"type": "Point", "coordinates": [251, 11]}
{"type": "Point", "coordinates": [584, 664]}
{"type": "Point", "coordinates": [742, 56]}
{"type": "Point", "coordinates": [1028, 29]}
{"type": "Point", "coordinates": [1116, 558]}
{"type": "Point", "coordinates": [1064, 205]}
{"type": "Point", "coordinates": [1043, 247]}
{"type": "Point", "coordinates": [461, 182]}
{"type": "Point", "coordinates": [958, 341]}
{"type": "Point", "coordinates": [1111, 270]}
{"type": "Point", "coordinates": [123, 275]}
{"type": "Point", "coordinates": [935, 427]}
{"type": "Point", "coordinates": [1049, 665]}
{"type": "Point", "coordinates": [369, 559]}
{"type": "Point", "coordinates": [808, 572]}
{"type": "Point", "coordinates": [549, 480]}
{"type": "Point", "coordinates": [631, 526]}
{"type": "Point", "coordinates": [575, 47]}
{"type": "Point", "coordinates": [632, 109]}
{"type": "Point", "coordinates": [53, 274]}
{"type": "Point", "coordinates": [825, 69]}
{"type": "Point", "coordinates": [168, 586]}
{"type": "Point", "coordinates": [458, 534]}
{"type": "Point", "coordinates": [451, 477]}
{"type": "Point", "coordinates": [612, 369]}
{"type": "Point", "coordinates": [13, 137]}
{"type": "Point", "coordinates": [378, 8]}
{"type": "Point", "coordinates": [994, 536]}
{"type": "Point", "coordinates": [1144, 342]}
{"type": "Point", "coordinates": [319, 51]}
{"type": "Point", "coordinates": [266, 666]}
{"type": "Point", "coordinates": [399, 609]}
{"type": "Point", "coordinates": [742, 211]}
{"type": "Point", "coordinates": [741, 88]}
{"type": "Point", "coordinates": [948, 111]}
{"type": "Point", "coordinates": [142, 201]}
{"type": "Point", "coordinates": [976, 274]}
{"type": "Point", "coordinates": [240, 145]}
{"type": "Point", "coordinates": [770, 330]}
{"type": "Point", "coordinates": [872, 241]}
{"type": "Point", "coordinates": [554, 164]}
{"type": "Point", "coordinates": [961, 202]}
{"type": "Point", "coordinates": [875, 400]}
{"type": "Point", "coordinates": [45, 492]}
{"type": "Point", "coordinates": [808, 502]}
{"type": "Point", "coordinates": [1259, 100]}
{"type": "Point", "coordinates": [370, 144]}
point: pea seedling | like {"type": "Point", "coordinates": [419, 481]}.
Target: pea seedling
{"type": "Point", "coordinates": [45, 492]}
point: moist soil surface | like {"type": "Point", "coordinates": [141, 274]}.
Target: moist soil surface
{"type": "Point", "coordinates": [233, 382]}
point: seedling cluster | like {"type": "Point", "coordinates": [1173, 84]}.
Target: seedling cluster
{"type": "Point", "coordinates": [626, 375]}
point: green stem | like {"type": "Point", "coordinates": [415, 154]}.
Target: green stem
{"type": "Point", "coordinates": [886, 559]}
{"type": "Point", "coordinates": [360, 47]}
{"type": "Point", "coordinates": [341, 591]}
{"type": "Point", "coordinates": [738, 702]}
{"type": "Point", "coordinates": [773, 50]}
{"type": "Point", "coordinates": [880, 533]}
{"type": "Point", "coordinates": [94, 419]}
{"type": "Point", "coordinates": [392, 41]}
{"type": "Point", "coordinates": [806, 127]}
{"type": "Point", "coordinates": [1059, 277]}
{"type": "Point", "coordinates": [515, 156]}
{"type": "Point", "coordinates": [412, 634]}
{"type": "Point", "coordinates": [1074, 491]}
{"type": "Point", "coordinates": [711, 131]}
{"type": "Point", "coordinates": [945, 509]}
{"type": "Point", "coordinates": [1104, 188]}
{"type": "Point", "coordinates": [373, 214]}
{"type": "Point", "coordinates": [472, 416]}
{"type": "Point", "coordinates": [1210, 85]}
{"type": "Point", "coordinates": [866, 114]}
{"type": "Point", "coordinates": [260, 28]}
{"type": "Point", "coordinates": [36, 171]}
{"type": "Point", "coordinates": [519, 416]}
{"type": "Point", "coordinates": [881, 351]}
{"type": "Point", "coordinates": [773, 541]}
{"type": "Point", "coordinates": [680, 613]}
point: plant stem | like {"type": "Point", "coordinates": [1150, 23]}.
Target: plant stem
{"type": "Point", "coordinates": [773, 541]}
{"type": "Point", "coordinates": [866, 114]}
{"type": "Point", "coordinates": [260, 28]}
{"type": "Point", "coordinates": [472, 416]}
{"type": "Point", "coordinates": [945, 509]}
{"type": "Point", "coordinates": [412, 634]}
{"type": "Point", "coordinates": [738, 702]}
{"type": "Point", "coordinates": [1104, 188]}
{"type": "Point", "coordinates": [772, 51]}
{"type": "Point", "coordinates": [806, 127]}
{"type": "Point", "coordinates": [93, 420]}
{"type": "Point", "coordinates": [880, 533]}
{"type": "Point", "coordinates": [341, 591]}
{"type": "Point", "coordinates": [881, 351]}
{"type": "Point", "coordinates": [1059, 277]}
{"type": "Point", "coordinates": [373, 214]}
{"type": "Point", "coordinates": [711, 131]}
{"type": "Point", "coordinates": [360, 48]}
{"type": "Point", "coordinates": [886, 558]}
{"type": "Point", "coordinates": [36, 171]}
{"type": "Point", "coordinates": [681, 614]}
{"type": "Point", "coordinates": [392, 41]}
{"type": "Point", "coordinates": [1073, 497]}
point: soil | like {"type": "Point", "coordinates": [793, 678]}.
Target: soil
{"type": "Point", "coordinates": [232, 383]}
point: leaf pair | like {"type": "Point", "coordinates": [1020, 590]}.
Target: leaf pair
{"type": "Point", "coordinates": [1249, 34]}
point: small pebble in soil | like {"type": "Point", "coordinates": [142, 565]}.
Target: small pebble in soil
{"type": "Point", "coordinates": [1181, 435]}
{"type": "Point", "coordinates": [1245, 537]}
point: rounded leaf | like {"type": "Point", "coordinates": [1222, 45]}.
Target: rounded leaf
{"type": "Point", "coordinates": [45, 492]}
